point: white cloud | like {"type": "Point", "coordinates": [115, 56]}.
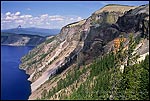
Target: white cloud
{"type": "Point", "coordinates": [15, 17]}
{"type": "Point", "coordinates": [10, 20]}
{"type": "Point", "coordinates": [36, 18]}
{"type": "Point", "coordinates": [30, 22]}
{"type": "Point", "coordinates": [44, 16]}
{"type": "Point", "coordinates": [12, 17]}
{"type": "Point", "coordinates": [8, 14]}
{"type": "Point", "coordinates": [22, 16]}
{"type": "Point", "coordinates": [19, 21]}
{"type": "Point", "coordinates": [26, 16]}
{"type": "Point", "coordinates": [56, 18]}
{"type": "Point", "coordinates": [6, 21]}
{"type": "Point", "coordinates": [17, 13]}
{"type": "Point", "coordinates": [71, 18]}
{"type": "Point", "coordinates": [79, 18]}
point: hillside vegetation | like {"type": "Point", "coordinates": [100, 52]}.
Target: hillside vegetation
{"type": "Point", "coordinates": [104, 79]}
{"type": "Point", "coordinates": [102, 57]}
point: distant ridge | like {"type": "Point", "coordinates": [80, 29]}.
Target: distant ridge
{"type": "Point", "coordinates": [33, 31]}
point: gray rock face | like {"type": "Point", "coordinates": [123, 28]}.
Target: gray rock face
{"type": "Point", "coordinates": [134, 21]}
{"type": "Point", "coordinates": [82, 41]}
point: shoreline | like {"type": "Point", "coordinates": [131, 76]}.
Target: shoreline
{"type": "Point", "coordinates": [23, 69]}
{"type": "Point", "coordinates": [28, 76]}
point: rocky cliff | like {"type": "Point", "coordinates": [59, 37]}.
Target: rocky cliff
{"type": "Point", "coordinates": [81, 42]}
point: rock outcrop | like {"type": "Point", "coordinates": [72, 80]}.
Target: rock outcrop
{"type": "Point", "coordinates": [81, 42]}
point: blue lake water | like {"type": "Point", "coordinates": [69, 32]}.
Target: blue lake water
{"type": "Point", "coordinates": [14, 83]}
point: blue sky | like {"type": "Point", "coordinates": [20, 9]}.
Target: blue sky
{"type": "Point", "coordinates": [51, 14]}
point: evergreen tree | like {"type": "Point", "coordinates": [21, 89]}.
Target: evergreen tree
{"type": "Point", "coordinates": [116, 75]}
{"type": "Point", "coordinates": [144, 78]}
{"type": "Point", "coordinates": [131, 55]}
{"type": "Point", "coordinates": [129, 86]}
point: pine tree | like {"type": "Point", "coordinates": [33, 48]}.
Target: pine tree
{"type": "Point", "coordinates": [116, 75]}
{"type": "Point", "coordinates": [130, 81]}
{"type": "Point", "coordinates": [131, 55]}
{"type": "Point", "coordinates": [144, 84]}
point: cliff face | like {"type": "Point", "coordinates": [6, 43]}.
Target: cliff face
{"type": "Point", "coordinates": [81, 42]}
{"type": "Point", "coordinates": [135, 20]}
{"type": "Point", "coordinates": [21, 39]}
{"type": "Point", "coordinates": [110, 24]}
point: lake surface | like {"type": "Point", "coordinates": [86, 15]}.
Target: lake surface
{"type": "Point", "coordinates": [14, 83]}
